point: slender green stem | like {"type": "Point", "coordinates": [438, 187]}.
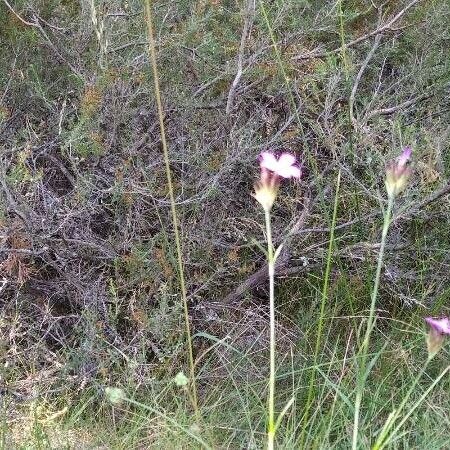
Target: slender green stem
{"type": "Point", "coordinates": [362, 376]}
{"type": "Point", "coordinates": [152, 55]}
{"type": "Point", "coordinates": [271, 265]}
{"type": "Point", "coordinates": [372, 318]}
{"type": "Point", "coordinates": [322, 313]}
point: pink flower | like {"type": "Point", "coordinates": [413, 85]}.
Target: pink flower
{"type": "Point", "coordinates": [272, 168]}
{"type": "Point", "coordinates": [442, 326]}
{"type": "Point", "coordinates": [285, 166]}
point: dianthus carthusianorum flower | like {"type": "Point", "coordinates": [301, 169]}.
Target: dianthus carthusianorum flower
{"type": "Point", "coordinates": [272, 169]}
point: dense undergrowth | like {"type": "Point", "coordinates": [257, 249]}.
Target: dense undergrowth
{"type": "Point", "coordinates": [89, 293]}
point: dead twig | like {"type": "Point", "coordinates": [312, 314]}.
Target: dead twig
{"type": "Point", "coordinates": [416, 209]}
{"type": "Point", "coordinates": [18, 16]}
{"type": "Point", "coordinates": [12, 202]}
{"type": "Point", "coordinates": [248, 22]}
{"type": "Point", "coordinates": [393, 109]}
{"type": "Point", "coordinates": [351, 101]}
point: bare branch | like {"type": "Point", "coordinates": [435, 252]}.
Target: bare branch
{"type": "Point", "coordinates": [351, 101]}
{"type": "Point", "coordinates": [248, 22]}
{"type": "Point", "coordinates": [25, 22]}
{"type": "Point", "coordinates": [393, 109]}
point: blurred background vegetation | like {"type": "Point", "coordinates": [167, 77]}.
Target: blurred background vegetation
{"type": "Point", "coordinates": [89, 293]}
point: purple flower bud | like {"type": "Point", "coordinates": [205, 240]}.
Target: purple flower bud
{"type": "Point", "coordinates": [398, 172]}
{"type": "Point", "coordinates": [404, 157]}
{"type": "Point", "coordinates": [438, 329]}
{"type": "Point", "coordinates": [440, 325]}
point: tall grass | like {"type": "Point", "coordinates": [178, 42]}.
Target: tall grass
{"type": "Point", "coordinates": [152, 56]}
{"type": "Point", "coordinates": [321, 319]}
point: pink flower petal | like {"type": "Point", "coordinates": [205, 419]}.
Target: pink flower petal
{"type": "Point", "coordinates": [440, 325]}
{"type": "Point", "coordinates": [284, 166]}
{"type": "Point", "coordinates": [296, 172]}
{"type": "Point", "coordinates": [268, 161]}
{"type": "Point", "coordinates": [290, 172]}
{"type": "Point", "coordinates": [286, 160]}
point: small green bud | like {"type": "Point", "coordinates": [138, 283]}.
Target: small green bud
{"type": "Point", "coordinates": [115, 395]}
{"type": "Point", "coordinates": [181, 379]}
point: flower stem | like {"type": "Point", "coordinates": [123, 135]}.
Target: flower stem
{"type": "Point", "coordinates": [370, 323]}
{"type": "Point", "coordinates": [271, 266]}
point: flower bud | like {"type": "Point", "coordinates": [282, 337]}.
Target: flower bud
{"type": "Point", "coordinates": [439, 328]}
{"type": "Point", "coordinates": [434, 341]}
{"type": "Point", "coordinates": [397, 173]}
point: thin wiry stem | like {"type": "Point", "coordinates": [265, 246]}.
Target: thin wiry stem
{"type": "Point", "coordinates": [370, 324]}
{"type": "Point", "coordinates": [152, 55]}
{"type": "Point", "coordinates": [342, 35]}
{"type": "Point", "coordinates": [322, 312]}
{"type": "Point", "coordinates": [271, 265]}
